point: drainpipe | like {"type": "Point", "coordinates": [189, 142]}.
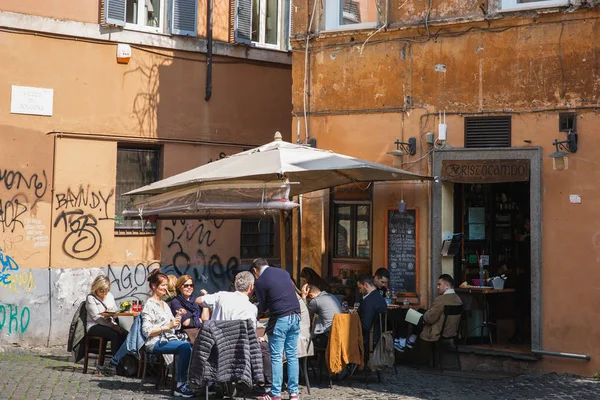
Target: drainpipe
{"type": "Point", "coordinates": [50, 239]}
{"type": "Point", "coordinates": [209, 49]}
{"type": "Point", "coordinates": [560, 354]}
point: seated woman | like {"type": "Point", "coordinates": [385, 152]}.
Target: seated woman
{"type": "Point", "coordinates": [185, 304]}
{"type": "Point", "coordinates": [158, 328]}
{"type": "Point", "coordinates": [98, 301]}
{"type": "Point", "coordinates": [171, 289]}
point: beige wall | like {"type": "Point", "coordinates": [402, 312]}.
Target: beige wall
{"type": "Point", "coordinates": [72, 10]}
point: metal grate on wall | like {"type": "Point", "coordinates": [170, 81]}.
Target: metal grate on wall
{"type": "Point", "coordinates": [481, 132]}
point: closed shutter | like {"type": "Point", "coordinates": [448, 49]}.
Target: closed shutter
{"type": "Point", "coordinates": [243, 21]}
{"type": "Point", "coordinates": [288, 25]}
{"type": "Point", "coordinates": [185, 17]}
{"type": "Point", "coordinates": [114, 12]}
{"type": "Point", "coordinates": [483, 132]}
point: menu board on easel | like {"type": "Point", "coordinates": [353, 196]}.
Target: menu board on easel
{"type": "Point", "coordinates": [402, 250]}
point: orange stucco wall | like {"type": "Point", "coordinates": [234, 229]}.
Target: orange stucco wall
{"type": "Point", "coordinates": [531, 69]}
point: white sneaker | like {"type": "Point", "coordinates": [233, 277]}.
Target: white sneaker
{"type": "Point", "coordinates": [400, 344]}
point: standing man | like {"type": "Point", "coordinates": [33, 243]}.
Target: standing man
{"type": "Point", "coordinates": [275, 292]}
{"type": "Point", "coordinates": [381, 280]}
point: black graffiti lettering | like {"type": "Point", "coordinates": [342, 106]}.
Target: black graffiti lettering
{"type": "Point", "coordinates": [84, 197]}
{"type": "Point", "coordinates": [83, 239]}
{"type": "Point", "coordinates": [11, 212]}
{"type": "Point", "coordinates": [131, 282]}
{"type": "Point", "coordinates": [14, 179]}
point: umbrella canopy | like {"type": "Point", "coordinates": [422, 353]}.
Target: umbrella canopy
{"type": "Point", "coordinates": [306, 168]}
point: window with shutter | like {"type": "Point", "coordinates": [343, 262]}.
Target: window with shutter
{"type": "Point", "coordinates": [263, 23]}
{"type": "Point", "coordinates": [483, 132]}
{"type": "Point", "coordinates": [185, 15]}
{"type": "Point", "coordinates": [352, 14]}
{"type": "Point", "coordinates": [114, 12]}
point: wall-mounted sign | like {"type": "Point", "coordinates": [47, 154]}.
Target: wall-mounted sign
{"type": "Point", "coordinates": [31, 100]}
{"type": "Point", "coordinates": [485, 171]}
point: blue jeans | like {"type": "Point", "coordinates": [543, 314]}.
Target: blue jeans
{"type": "Point", "coordinates": [183, 350]}
{"type": "Point", "coordinates": [285, 337]}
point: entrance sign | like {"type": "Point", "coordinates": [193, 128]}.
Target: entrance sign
{"type": "Point", "coordinates": [485, 171]}
{"type": "Point", "coordinates": [402, 255]}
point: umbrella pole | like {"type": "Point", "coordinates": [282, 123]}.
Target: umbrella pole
{"type": "Point", "coordinates": [282, 238]}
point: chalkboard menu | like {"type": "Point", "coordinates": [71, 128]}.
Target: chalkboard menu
{"type": "Point", "coordinates": [402, 250]}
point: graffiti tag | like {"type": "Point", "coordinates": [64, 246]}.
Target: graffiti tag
{"type": "Point", "coordinates": [14, 179]}
{"type": "Point", "coordinates": [84, 197]}
{"type": "Point", "coordinates": [20, 321]}
{"type": "Point", "coordinates": [83, 239]}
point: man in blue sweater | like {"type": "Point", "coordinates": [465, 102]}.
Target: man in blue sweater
{"type": "Point", "coordinates": [275, 292]}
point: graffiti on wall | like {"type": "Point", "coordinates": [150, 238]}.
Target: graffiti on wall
{"type": "Point", "coordinates": [83, 238]}
{"type": "Point", "coordinates": [14, 319]}
{"type": "Point", "coordinates": [129, 282]}
{"type": "Point", "coordinates": [187, 252]}
{"type": "Point", "coordinates": [9, 266]}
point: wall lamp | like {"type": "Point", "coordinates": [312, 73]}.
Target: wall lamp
{"type": "Point", "coordinates": [563, 148]}
{"type": "Point", "coordinates": [405, 148]}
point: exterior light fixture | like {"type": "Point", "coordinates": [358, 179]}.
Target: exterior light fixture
{"type": "Point", "coordinates": [402, 206]}
{"type": "Point", "coordinates": [563, 148]}
{"type": "Point", "coordinates": [405, 148]}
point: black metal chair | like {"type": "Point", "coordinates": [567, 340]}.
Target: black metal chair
{"type": "Point", "coordinates": [147, 357]}
{"type": "Point", "coordinates": [449, 311]}
{"type": "Point", "coordinates": [369, 351]}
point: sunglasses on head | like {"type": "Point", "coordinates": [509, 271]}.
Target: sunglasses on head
{"type": "Point", "coordinates": [188, 285]}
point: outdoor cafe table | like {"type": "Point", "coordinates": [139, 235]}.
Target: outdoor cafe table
{"type": "Point", "coordinates": [482, 292]}
{"type": "Point", "coordinates": [125, 318]}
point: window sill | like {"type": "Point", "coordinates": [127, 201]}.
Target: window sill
{"type": "Point", "coordinates": [353, 27]}
{"type": "Point", "coordinates": [529, 7]}
{"type": "Point", "coordinates": [145, 29]}
{"type": "Point", "coordinates": [265, 46]}
{"type": "Point", "coordinates": [135, 232]}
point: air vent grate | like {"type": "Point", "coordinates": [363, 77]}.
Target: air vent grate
{"type": "Point", "coordinates": [481, 132]}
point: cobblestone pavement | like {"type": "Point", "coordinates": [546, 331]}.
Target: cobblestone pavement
{"type": "Point", "coordinates": [48, 374]}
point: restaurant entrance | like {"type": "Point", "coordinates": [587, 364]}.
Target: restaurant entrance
{"type": "Point", "coordinates": [495, 221]}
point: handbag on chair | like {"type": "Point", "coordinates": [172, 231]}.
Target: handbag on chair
{"type": "Point", "coordinates": [383, 354]}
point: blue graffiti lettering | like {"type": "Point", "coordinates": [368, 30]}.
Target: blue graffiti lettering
{"type": "Point", "coordinates": [8, 264]}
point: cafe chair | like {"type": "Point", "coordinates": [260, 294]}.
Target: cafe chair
{"type": "Point", "coordinates": [93, 345]}
{"type": "Point", "coordinates": [368, 352]}
{"type": "Point", "coordinates": [437, 346]}
{"type": "Point", "coordinates": [155, 359]}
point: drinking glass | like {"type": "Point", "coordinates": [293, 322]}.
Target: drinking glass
{"type": "Point", "coordinates": [356, 305]}
{"type": "Point", "coordinates": [344, 306]}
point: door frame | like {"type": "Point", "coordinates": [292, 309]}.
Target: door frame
{"type": "Point", "coordinates": [534, 155]}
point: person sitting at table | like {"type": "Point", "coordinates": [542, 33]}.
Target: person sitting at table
{"type": "Point", "coordinates": [310, 276]}
{"type": "Point", "coordinates": [192, 314]}
{"type": "Point", "coordinates": [171, 289]}
{"type": "Point", "coordinates": [325, 306]}
{"type": "Point", "coordinates": [159, 329]}
{"type": "Point", "coordinates": [381, 280]}
{"type": "Point", "coordinates": [370, 307]}
{"type": "Point", "coordinates": [98, 301]}
{"type": "Point", "coordinates": [430, 324]}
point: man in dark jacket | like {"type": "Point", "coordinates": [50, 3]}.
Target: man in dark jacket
{"type": "Point", "coordinates": [275, 292]}
{"type": "Point", "coordinates": [371, 306]}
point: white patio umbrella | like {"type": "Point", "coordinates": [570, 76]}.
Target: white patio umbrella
{"type": "Point", "coordinates": [259, 181]}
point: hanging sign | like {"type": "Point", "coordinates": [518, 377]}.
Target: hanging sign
{"type": "Point", "coordinates": [485, 171]}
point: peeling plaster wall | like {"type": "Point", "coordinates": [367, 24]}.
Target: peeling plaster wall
{"type": "Point", "coordinates": [368, 89]}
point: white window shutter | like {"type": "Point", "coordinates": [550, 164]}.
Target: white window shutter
{"type": "Point", "coordinates": [184, 20]}
{"type": "Point", "coordinates": [243, 21]}
{"type": "Point", "coordinates": [114, 12]}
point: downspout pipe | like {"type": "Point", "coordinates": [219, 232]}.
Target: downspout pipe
{"type": "Point", "coordinates": [560, 354]}
{"type": "Point", "coordinates": [209, 49]}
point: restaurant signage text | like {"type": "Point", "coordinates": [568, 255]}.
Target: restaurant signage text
{"type": "Point", "coordinates": [485, 171]}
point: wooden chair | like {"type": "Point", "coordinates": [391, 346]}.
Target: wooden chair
{"type": "Point", "coordinates": [93, 345]}
{"type": "Point", "coordinates": [146, 358]}
{"type": "Point", "coordinates": [437, 345]}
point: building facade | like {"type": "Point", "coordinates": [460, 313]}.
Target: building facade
{"type": "Point", "coordinates": [498, 100]}
{"type": "Point", "coordinates": [100, 97]}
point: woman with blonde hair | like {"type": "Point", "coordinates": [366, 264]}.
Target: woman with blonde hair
{"type": "Point", "coordinates": [98, 301]}
{"type": "Point", "coordinates": [159, 331]}
{"type": "Point", "coordinates": [171, 288]}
